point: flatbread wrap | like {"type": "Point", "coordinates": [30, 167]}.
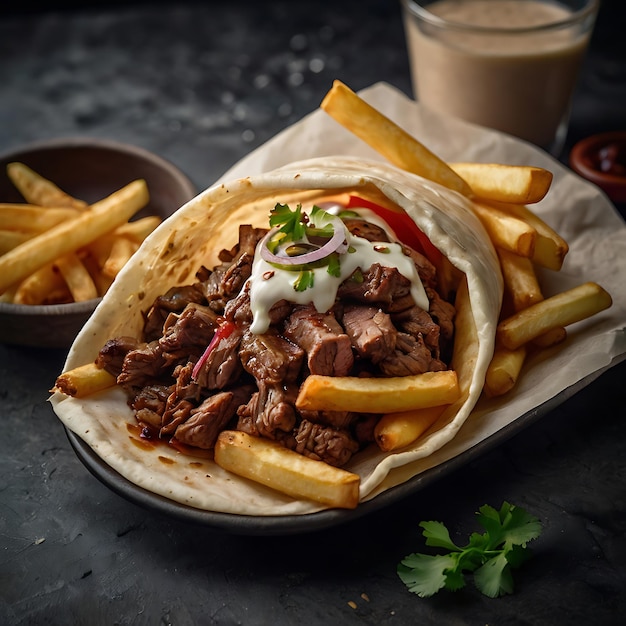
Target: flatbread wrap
{"type": "Point", "coordinates": [193, 237]}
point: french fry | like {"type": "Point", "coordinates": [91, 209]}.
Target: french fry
{"type": "Point", "coordinates": [121, 250]}
{"type": "Point", "coordinates": [10, 239]}
{"type": "Point", "coordinates": [139, 229]}
{"type": "Point", "coordinates": [271, 464]}
{"type": "Point", "coordinates": [27, 217]}
{"type": "Point", "coordinates": [76, 276]}
{"type": "Point", "coordinates": [44, 286]}
{"type": "Point", "coordinates": [103, 217]}
{"type": "Point", "coordinates": [378, 395]}
{"type": "Point", "coordinates": [550, 248]}
{"type": "Point", "coordinates": [84, 380]}
{"type": "Point", "coordinates": [518, 184]}
{"type": "Point", "coordinates": [39, 190]}
{"type": "Point", "coordinates": [551, 338]}
{"type": "Point", "coordinates": [507, 231]}
{"type": "Point", "coordinates": [561, 309]}
{"type": "Point", "coordinates": [397, 430]}
{"type": "Point", "coordinates": [504, 370]}
{"type": "Point", "coordinates": [387, 138]}
{"type": "Point", "coordinates": [520, 279]}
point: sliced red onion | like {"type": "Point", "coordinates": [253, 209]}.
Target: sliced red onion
{"type": "Point", "coordinates": [335, 244]}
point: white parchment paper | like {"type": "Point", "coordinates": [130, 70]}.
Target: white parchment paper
{"type": "Point", "coordinates": [578, 210]}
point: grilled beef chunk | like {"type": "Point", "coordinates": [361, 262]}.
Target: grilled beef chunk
{"type": "Point", "coordinates": [173, 301]}
{"type": "Point", "coordinates": [323, 443]}
{"type": "Point", "coordinates": [442, 312]}
{"type": "Point", "coordinates": [417, 322]}
{"type": "Point", "coordinates": [184, 397]}
{"type": "Point", "coordinates": [365, 229]}
{"type": "Point", "coordinates": [190, 332]}
{"type": "Point", "coordinates": [270, 357]}
{"type": "Point", "coordinates": [112, 354]}
{"type": "Point", "coordinates": [321, 336]}
{"type": "Point", "coordinates": [411, 356]}
{"type": "Point", "coordinates": [379, 285]}
{"type": "Point", "coordinates": [270, 412]}
{"type": "Point", "coordinates": [149, 405]}
{"type": "Point", "coordinates": [371, 331]}
{"type": "Point", "coordinates": [228, 278]}
{"type": "Point", "coordinates": [211, 417]}
{"type": "Point", "coordinates": [223, 367]}
{"type": "Point", "coordinates": [143, 366]}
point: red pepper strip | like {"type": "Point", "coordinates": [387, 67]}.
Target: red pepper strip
{"type": "Point", "coordinates": [405, 228]}
{"type": "Point", "coordinates": [224, 329]}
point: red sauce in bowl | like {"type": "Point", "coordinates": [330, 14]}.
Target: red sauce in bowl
{"type": "Point", "coordinates": [601, 159]}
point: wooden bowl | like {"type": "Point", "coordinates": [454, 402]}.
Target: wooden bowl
{"type": "Point", "coordinates": [89, 169]}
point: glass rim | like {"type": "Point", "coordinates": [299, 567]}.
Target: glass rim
{"type": "Point", "coordinates": [416, 9]}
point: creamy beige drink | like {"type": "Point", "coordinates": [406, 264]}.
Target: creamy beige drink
{"type": "Point", "coordinates": [498, 63]}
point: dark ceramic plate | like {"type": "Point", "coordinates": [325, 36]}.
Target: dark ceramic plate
{"type": "Point", "coordinates": [294, 524]}
{"type": "Point", "coordinates": [89, 169]}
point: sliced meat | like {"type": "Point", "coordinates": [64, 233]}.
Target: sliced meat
{"type": "Point", "coordinates": [223, 367]}
{"type": "Point", "coordinates": [184, 397]}
{"type": "Point", "coordinates": [149, 405]}
{"type": "Point", "coordinates": [380, 285]}
{"type": "Point", "coordinates": [270, 411]}
{"type": "Point", "coordinates": [426, 270]}
{"type": "Point", "coordinates": [412, 356]}
{"type": "Point", "coordinates": [324, 443]}
{"type": "Point", "coordinates": [371, 331]}
{"type": "Point", "coordinates": [417, 322]}
{"type": "Point", "coordinates": [190, 333]}
{"type": "Point", "coordinates": [238, 310]}
{"type": "Point", "coordinates": [442, 312]}
{"type": "Point", "coordinates": [143, 366]}
{"type": "Point", "coordinates": [366, 230]}
{"type": "Point", "coordinates": [320, 335]}
{"type": "Point", "coordinates": [270, 357]}
{"type": "Point", "coordinates": [336, 419]}
{"type": "Point", "coordinates": [206, 421]}
{"type": "Point", "coordinates": [112, 354]}
{"type": "Point", "coordinates": [173, 301]}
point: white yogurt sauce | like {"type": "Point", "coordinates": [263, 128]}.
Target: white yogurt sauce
{"type": "Point", "coordinates": [269, 284]}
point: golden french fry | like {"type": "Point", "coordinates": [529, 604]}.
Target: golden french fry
{"type": "Point", "coordinates": [121, 250]}
{"type": "Point", "coordinates": [271, 464]}
{"type": "Point", "coordinates": [397, 430]}
{"type": "Point", "coordinates": [103, 217]}
{"type": "Point", "coordinates": [551, 338]}
{"type": "Point", "coordinates": [387, 138]}
{"type": "Point", "coordinates": [84, 380]}
{"type": "Point", "coordinates": [101, 281]}
{"type": "Point", "coordinates": [78, 279]}
{"type": "Point", "coordinates": [504, 370]}
{"type": "Point", "coordinates": [28, 217]}
{"type": "Point", "coordinates": [518, 184]}
{"type": "Point", "coordinates": [139, 229]}
{"type": "Point", "coordinates": [10, 239]}
{"type": "Point", "coordinates": [550, 248]}
{"type": "Point", "coordinates": [507, 231]}
{"type": "Point", "coordinates": [44, 286]}
{"type": "Point", "coordinates": [520, 279]}
{"type": "Point", "coordinates": [39, 190]}
{"type": "Point", "coordinates": [378, 395]}
{"type": "Point", "coordinates": [561, 309]}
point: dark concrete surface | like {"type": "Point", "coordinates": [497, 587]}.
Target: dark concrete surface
{"type": "Point", "coordinates": [202, 84]}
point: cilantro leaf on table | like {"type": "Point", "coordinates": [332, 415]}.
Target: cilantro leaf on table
{"type": "Point", "coordinates": [490, 556]}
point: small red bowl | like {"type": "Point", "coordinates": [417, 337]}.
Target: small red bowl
{"type": "Point", "coordinates": [601, 159]}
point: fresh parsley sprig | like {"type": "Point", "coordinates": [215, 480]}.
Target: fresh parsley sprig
{"type": "Point", "coordinates": [490, 556]}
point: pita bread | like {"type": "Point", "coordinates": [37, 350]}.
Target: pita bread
{"type": "Point", "coordinates": [193, 236]}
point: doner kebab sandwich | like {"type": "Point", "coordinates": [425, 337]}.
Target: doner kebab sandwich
{"type": "Point", "coordinates": [251, 351]}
